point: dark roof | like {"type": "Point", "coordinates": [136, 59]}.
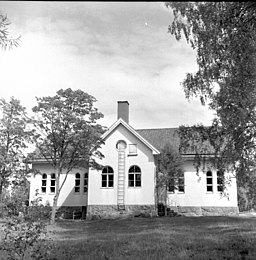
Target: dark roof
{"type": "Point", "coordinates": [161, 136]}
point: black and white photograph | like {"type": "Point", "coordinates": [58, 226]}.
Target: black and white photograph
{"type": "Point", "coordinates": [127, 130]}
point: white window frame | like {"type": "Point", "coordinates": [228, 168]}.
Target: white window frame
{"type": "Point", "coordinates": [220, 181]}
{"type": "Point", "coordinates": [135, 174]}
{"type": "Point", "coordinates": [44, 183]}
{"type": "Point", "coordinates": [176, 183]}
{"type": "Point", "coordinates": [107, 174]}
{"type": "Point", "coordinates": [209, 184]}
{"type": "Point", "coordinates": [86, 182]}
{"type": "Point", "coordinates": [133, 149]}
{"type": "Point", "coordinates": [181, 184]}
{"type": "Point", "coordinates": [77, 187]}
{"type": "Point", "coordinates": [53, 186]}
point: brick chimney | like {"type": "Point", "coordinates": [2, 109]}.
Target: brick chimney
{"type": "Point", "coordinates": [123, 110]}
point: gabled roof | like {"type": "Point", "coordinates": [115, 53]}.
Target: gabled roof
{"type": "Point", "coordinates": [133, 131]}
{"type": "Point", "coordinates": [161, 136]}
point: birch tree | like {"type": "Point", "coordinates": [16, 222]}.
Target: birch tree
{"type": "Point", "coordinates": [223, 34]}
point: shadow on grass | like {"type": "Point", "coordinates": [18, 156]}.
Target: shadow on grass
{"type": "Point", "coordinates": [157, 238]}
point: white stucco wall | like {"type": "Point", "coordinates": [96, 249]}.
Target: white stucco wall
{"type": "Point", "coordinates": [143, 195]}
{"type": "Point", "coordinates": [196, 194]}
{"type": "Point", "coordinates": [67, 197]}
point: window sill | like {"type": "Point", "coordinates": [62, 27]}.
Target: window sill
{"type": "Point", "coordinates": [107, 188]}
{"type": "Point", "coordinates": [132, 154]}
{"type": "Point", "coordinates": [134, 187]}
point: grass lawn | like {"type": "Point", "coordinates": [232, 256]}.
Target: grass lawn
{"type": "Point", "coordinates": [156, 238]}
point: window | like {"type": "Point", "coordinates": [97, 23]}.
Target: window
{"type": "Point", "coordinates": [107, 177]}
{"type": "Point", "coordinates": [209, 183]}
{"type": "Point", "coordinates": [171, 186]}
{"type": "Point", "coordinates": [77, 183]}
{"type": "Point", "coordinates": [53, 183]}
{"type": "Point", "coordinates": [121, 145]}
{"type": "Point", "coordinates": [181, 186]}
{"type": "Point", "coordinates": [132, 149]}
{"type": "Point", "coordinates": [220, 181]}
{"type": "Point", "coordinates": [134, 177]}
{"type": "Point", "coordinates": [44, 183]}
{"type": "Point", "coordinates": [176, 184]}
{"type": "Point", "coordinates": [85, 182]}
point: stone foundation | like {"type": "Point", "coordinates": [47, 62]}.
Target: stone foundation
{"type": "Point", "coordinates": [206, 211]}
{"type": "Point", "coordinates": [76, 212]}
{"type": "Point", "coordinates": [112, 211]}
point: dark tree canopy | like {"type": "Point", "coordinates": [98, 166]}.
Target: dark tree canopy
{"type": "Point", "coordinates": [224, 36]}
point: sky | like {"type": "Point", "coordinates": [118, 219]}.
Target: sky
{"type": "Point", "coordinates": [115, 51]}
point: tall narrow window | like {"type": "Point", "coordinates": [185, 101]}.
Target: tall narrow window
{"type": "Point", "coordinates": [220, 181]}
{"type": "Point", "coordinates": [107, 177]}
{"type": "Point", "coordinates": [171, 186]}
{"type": "Point", "coordinates": [134, 178]}
{"type": "Point", "coordinates": [44, 183]}
{"type": "Point", "coordinates": [85, 182]}
{"type": "Point", "coordinates": [77, 183]}
{"type": "Point", "coordinates": [53, 183]}
{"type": "Point", "coordinates": [181, 186]}
{"type": "Point", "coordinates": [209, 183]}
{"type": "Point", "coordinates": [176, 183]}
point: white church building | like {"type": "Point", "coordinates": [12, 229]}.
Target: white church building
{"type": "Point", "coordinates": [127, 183]}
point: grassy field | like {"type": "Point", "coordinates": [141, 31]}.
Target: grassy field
{"type": "Point", "coordinates": [156, 238]}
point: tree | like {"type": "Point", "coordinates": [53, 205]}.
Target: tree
{"type": "Point", "coordinates": [13, 141]}
{"type": "Point", "coordinates": [224, 36]}
{"type": "Point", "coordinates": [5, 40]}
{"type": "Point", "coordinates": [170, 168]}
{"type": "Point", "coordinates": [67, 134]}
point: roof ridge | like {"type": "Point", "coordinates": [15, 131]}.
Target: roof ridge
{"type": "Point", "coordinates": [158, 128]}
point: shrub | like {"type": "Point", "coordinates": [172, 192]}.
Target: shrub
{"type": "Point", "coordinates": [25, 235]}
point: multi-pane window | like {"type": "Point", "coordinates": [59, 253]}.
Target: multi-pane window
{"type": "Point", "coordinates": [53, 183]}
{"type": "Point", "coordinates": [134, 177]}
{"type": "Point", "coordinates": [132, 149]}
{"type": "Point", "coordinates": [77, 183]}
{"type": "Point", "coordinates": [44, 183]}
{"type": "Point", "coordinates": [181, 186]}
{"type": "Point", "coordinates": [220, 181]}
{"type": "Point", "coordinates": [209, 182]}
{"type": "Point", "coordinates": [176, 183]}
{"type": "Point", "coordinates": [107, 177]}
{"type": "Point", "coordinates": [85, 182]}
{"type": "Point", "coordinates": [171, 186]}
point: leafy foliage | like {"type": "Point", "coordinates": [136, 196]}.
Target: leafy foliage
{"type": "Point", "coordinates": [67, 134]}
{"type": "Point", "coordinates": [170, 167]}
{"type": "Point", "coordinates": [25, 234]}
{"type": "Point", "coordinates": [224, 36]}
{"type": "Point", "coordinates": [13, 141]}
{"type": "Point", "coordinates": [5, 40]}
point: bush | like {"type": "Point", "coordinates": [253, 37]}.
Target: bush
{"type": "Point", "coordinates": [22, 239]}
{"type": "Point", "coordinates": [25, 231]}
